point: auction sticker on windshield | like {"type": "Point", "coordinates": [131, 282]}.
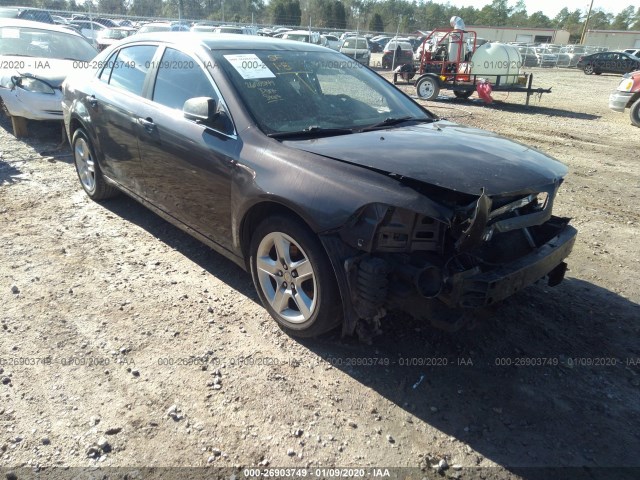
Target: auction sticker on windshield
{"type": "Point", "coordinates": [10, 33]}
{"type": "Point", "coordinates": [249, 66]}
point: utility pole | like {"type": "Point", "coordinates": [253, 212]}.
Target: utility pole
{"type": "Point", "coordinates": [586, 23]}
{"type": "Point", "coordinates": [393, 62]}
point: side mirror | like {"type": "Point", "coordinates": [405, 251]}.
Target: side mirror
{"type": "Point", "coordinates": [202, 109]}
{"type": "Point", "coordinates": [208, 112]}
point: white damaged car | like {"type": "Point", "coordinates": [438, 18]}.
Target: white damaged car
{"type": "Point", "coordinates": [35, 58]}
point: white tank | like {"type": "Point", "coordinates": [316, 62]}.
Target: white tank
{"type": "Point", "coordinates": [454, 45]}
{"type": "Point", "coordinates": [493, 59]}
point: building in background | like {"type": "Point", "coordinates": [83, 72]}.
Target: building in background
{"type": "Point", "coordinates": [613, 39]}
{"type": "Point", "coordinates": [524, 35]}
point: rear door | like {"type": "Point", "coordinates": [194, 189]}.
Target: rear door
{"type": "Point", "coordinates": [114, 108]}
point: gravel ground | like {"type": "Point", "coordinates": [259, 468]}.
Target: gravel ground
{"type": "Point", "coordinates": [125, 343]}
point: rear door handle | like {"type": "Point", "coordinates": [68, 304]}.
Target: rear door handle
{"type": "Point", "coordinates": [147, 123]}
{"type": "Point", "coordinates": [92, 101]}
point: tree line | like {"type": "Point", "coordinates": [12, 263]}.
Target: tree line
{"type": "Point", "coordinates": [373, 15]}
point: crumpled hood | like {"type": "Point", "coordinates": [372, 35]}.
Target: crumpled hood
{"type": "Point", "coordinates": [53, 71]}
{"type": "Point", "coordinates": [444, 154]}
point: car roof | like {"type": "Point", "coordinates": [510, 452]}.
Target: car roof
{"type": "Point", "coordinates": [221, 41]}
{"type": "Point", "coordinates": [16, 22]}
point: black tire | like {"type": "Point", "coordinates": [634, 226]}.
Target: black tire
{"type": "Point", "coordinates": [634, 113]}
{"type": "Point", "coordinates": [588, 69]}
{"type": "Point", "coordinates": [88, 169]}
{"type": "Point", "coordinates": [278, 286]}
{"type": "Point", "coordinates": [463, 94]}
{"type": "Point", "coordinates": [428, 88]}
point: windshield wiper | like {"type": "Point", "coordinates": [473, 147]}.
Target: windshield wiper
{"type": "Point", "coordinates": [388, 122]}
{"type": "Point", "coordinates": [312, 131]}
{"type": "Point", "coordinates": [16, 55]}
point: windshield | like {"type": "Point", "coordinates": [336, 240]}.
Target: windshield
{"type": "Point", "coordinates": [34, 42]}
{"type": "Point", "coordinates": [287, 91]}
{"type": "Point", "coordinates": [351, 43]}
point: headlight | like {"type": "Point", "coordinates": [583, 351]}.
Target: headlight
{"type": "Point", "coordinates": [625, 85]}
{"type": "Point", "coordinates": [34, 85]}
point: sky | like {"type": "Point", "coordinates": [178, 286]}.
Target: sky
{"type": "Point", "coordinates": [551, 7]}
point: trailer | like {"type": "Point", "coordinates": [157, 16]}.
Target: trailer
{"type": "Point", "coordinates": [451, 60]}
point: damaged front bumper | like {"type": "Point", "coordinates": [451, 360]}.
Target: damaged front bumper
{"type": "Point", "coordinates": [477, 289]}
{"type": "Point", "coordinates": [430, 273]}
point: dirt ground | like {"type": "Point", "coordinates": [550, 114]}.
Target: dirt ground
{"type": "Point", "coordinates": [125, 343]}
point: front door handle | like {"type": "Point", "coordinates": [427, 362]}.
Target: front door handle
{"type": "Point", "coordinates": [147, 123]}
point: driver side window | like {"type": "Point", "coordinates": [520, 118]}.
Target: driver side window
{"type": "Point", "coordinates": [179, 79]}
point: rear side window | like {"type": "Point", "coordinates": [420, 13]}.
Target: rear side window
{"type": "Point", "coordinates": [130, 67]}
{"type": "Point", "coordinates": [179, 79]}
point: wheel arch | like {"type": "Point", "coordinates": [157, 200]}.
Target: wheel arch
{"type": "Point", "coordinates": [633, 99]}
{"type": "Point", "coordinates": [258, 212]}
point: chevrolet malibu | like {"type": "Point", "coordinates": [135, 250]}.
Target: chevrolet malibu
{"type": "Point", "coordinates": [340, 195]}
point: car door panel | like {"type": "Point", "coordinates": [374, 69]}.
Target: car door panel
{"type": "Point", "coordinates": [187, 167]}
{"type": "Point", "coordinates": [113, 108]}
{"type": "Point", "coordinates": [187, 171]}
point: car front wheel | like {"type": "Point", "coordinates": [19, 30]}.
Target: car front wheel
{"type": "Point", "coordinates": [634, 113]}
{"type": "Point", "coordinates": [588, 69]}
{"type": "Point", "coordinates": [294, 278]}
{"type": "Point", "coordinates": [88, 169]}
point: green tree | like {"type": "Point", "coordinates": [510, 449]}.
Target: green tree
{"type": "Point", "coordinates": [286, 12]}
{"type": "Point", "coordinates": [496, 14]}
{"type": "Point", "coordinates": [376, 24]}
{"type": "Point", "coordinates": [146, 8]}
{"type": "Point", "coordinates": [624, 19]}
{"type": "Point", "coordinates": [52, 4]}
{"type": "Point", "coordinates": [519, 16]}
{"type": "Point", "coordinates": [539, 20]}
{"type": "Point", "coordinates": [599, 20]}
{"type": "Point", "coordinates": [339, 16]}
{"type": "Point", "coordinates": [569, 21]}
{"type": "Point", "coordinates": [636, 21]}
{"type": "Point", "coordinates": [114, 7]}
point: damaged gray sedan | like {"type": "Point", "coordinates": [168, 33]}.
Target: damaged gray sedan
{"type": "Point", "coordinates": [339, 194]}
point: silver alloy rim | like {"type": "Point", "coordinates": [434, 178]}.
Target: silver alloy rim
{"type": "Point", "coordinates": [85, 164]}
{"type": "Point", "coordinates": [286, 277]}
{"type": "Point", "coordinates": [426, 89]}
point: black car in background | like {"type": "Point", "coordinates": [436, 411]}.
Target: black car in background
{"type": "Point", "coordinates": [608, 62]}
{"type": "Point", "coordinates": [24, 13]}
{"type": "Point", "coordinates": [339, 194]}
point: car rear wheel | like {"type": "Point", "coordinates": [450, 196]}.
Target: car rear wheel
{"type": "Point", "coordinates": [294, 278]}
{"type": "Point", "coordinates": [588, 69]}
{"type": "Point", "coordinates": [634, 113]}
{"type": "Point", "coordinates": [427, 88]}
{"type": "Point", "coordinates": [88, 170]}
